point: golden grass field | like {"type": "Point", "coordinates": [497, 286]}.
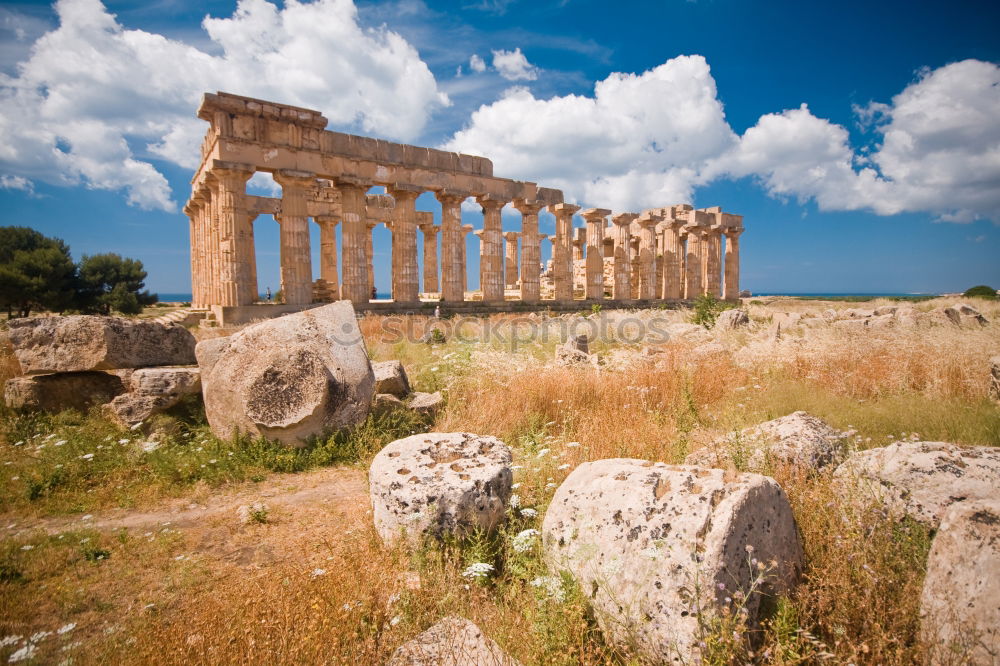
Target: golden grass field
{"type": "Point", "coordinates": [142, 555]}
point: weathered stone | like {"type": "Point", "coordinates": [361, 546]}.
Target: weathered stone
{"type": "Point", "coordinates": [390, 377]}
{"type": "Point", "coordinates": [729, 320]}
{"type": "Point", "coordinates": [571, 353]}
{"type": "Point", "coordinates": [995, 377]}
{"type": "Point", "coordinates": [82, 343]}
{"type": "Point", "coordinates": [165, 381]}
{"type": "Point", "coordinates": [426, 403]}
{"type": "Point", "coordinates": [385, 403]}
{"type": "Point", "coordinates": [652, 543]}
{"type": "Point", "coordinates": [289, 378]}
{"type": "Point", "coordinates": [439, 483]}
{"type": "Point", "coordinates": [851, 324]}
{"type": "Point", "coordinates": [798, 439]}
{"type": "Point", "coordinates": [454, 641]}
{"type": "Point", "coordinates": [963, 314]}
{"type": "Point", "coordinates": [56, 392]}
{"type": "Point", "coordinates": [921, 479]}
{"type": "Point", "coordinates": [960, 604]}
{"type": "Point", "coordinates": [882, 321]}
{"type": "Point", "coordinates": [858, 313]}
{"type": "Point", "coordinates": [885, 310]}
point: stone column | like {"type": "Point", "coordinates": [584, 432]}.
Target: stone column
{"type": "Point", "coordinates": [623, 285]}
{"type": "Point", "coordinates": [430, 232]}
{"type": "Point", "coordinates": [562, 257]}
{"type": "Point", "coordinates": [692, 283]}
{"type": "Point", "coordinates": [463, 253]}
{"type": "Point", "coordinates": [713, 260]}
{"type": "Point", "coordinates": [531, 252]}
{"type": "Point", "coordinates": [355, 270]}
{"type": "Point", "coordinates": [328, 253]}
{"type": "Point", "coordinates": [660, 230]}
{"type": "Point", "coordinates": [491, 264]}
{"type": "Point", "coordinates": [673, 249]}
{"type": "Point", "coordinates": [647, 249]}
{"type": "Point", "coordinates": [452, 239]}
{"type": "Point", "coordinates": [579, 242]}
{"type": "Point", "coordinates": [235, 244]}
{"type": "Point", "coordinates": [511, 259]}
{"type": "Point", "coordinates": [369, 256]}
{"type": "Point", "coordinates": [634, 258]}
{"type": "Point", "coordinates": [405, 270]}
{"type": "Point", "coordinates": [296, 260]}
{"type": "Point", "coordinates": [732, 269]}
{"type": "Point", "coordinates": [596, 221]}
{"type": "Point", "coordinates": [199, 246]}
{"type": "Point", "coordinates": [213, 296]}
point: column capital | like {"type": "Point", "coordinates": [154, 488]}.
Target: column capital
{"type": "Point", "coordinates": [563, 209]}
{"type": "Point", "coordinates": [352, 181]}
{"type": "Point", "coordinates": [695, 230]}
{"type": "Point", "coordinates": [326, 219]}
{"type": "Point", "coordinates": [466, 228]}
{"type": "Point", "coordinates": [451, 197]}
{"type": "Point", "coordinates": [624, 219]}
{"type": "Point", "coordinates": [295, 179]}
{"type": "Point", "coordinates": [401, 192]}
{"type": "Point", "coordinates": [594, 214]}
{"type": "Point", "coordinates": [512, 235]}
{"type": "Point", "coordinates": [528, 206]}
{"type": "Point", "coordinates": [491, 202]}
{"type": "Point", "coordinates": [733, 233]}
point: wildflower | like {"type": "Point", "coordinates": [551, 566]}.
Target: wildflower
{"type": "Point", "coordinates": [564, 466]}
{"type": "Point", "coordinates": [150, 446]}
{"type": "Point", "coordinates": [212, 461]}
{"type": "Point", "coordinates": [66, 628]}
{"type": "Point", "coordinates": [748, 548]}
{"type": "Point", "coordinates": [722, 586]}
{"type": "Point", "coordinates": [9, 640]}
{"type": "Point", "coordinates": [39, 636]}
{"type": "Point", "coordinates": [515, 501]}
{"type": "Point", "coordinates": [316, 573]}
{"type": "Point", "coordinates": [123, 441]}
{"type": "Point", "coordinates": [478, 570]}
{"type": "Point", "coordinates": [60, 442]}
{"type": "Point", "coordinates": [542, 453]}
{"type": "Point", "coordinates": [572, 444]}
{"type": "Point", "coordinates": [552, 586]}
{"type": "Point", "coordinates": [524, 540]}
{"type": "Point", "coordinates": [27, 652]}
{"type": "Point", "coordinates": [71, 646]}
{"type": "Point", "coordinates": [528, 513]}
{"type": "Point", "coordinates": [395, 620]}
{"type": "Point", "coordinates": [87, 456]}
{"type": "Point", "coordinates": [27, 546]}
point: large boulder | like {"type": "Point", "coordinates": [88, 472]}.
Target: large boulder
{"type": "Point", "coordinates": [70, 390]}
{"type": "Point", "coordinates": [960, 604]}
{"type": "Point", "coordinates": [454, 641]}
{"type": "Point", "coordinates": [390, 377]}
{"type": "Point", "coordinates": [439, 483]}
{"type": "Point", "coordinates": [657, 545]}
{"type": "Point", "coordinates": [152, 391]}
{"type": "Point", "coordinates": [920, 479]}
{"type": "Point", "coordinates": [729, 320]}
{"type": "Point", "coordinates": [289, 378]}
{"type": "Point", "coordinates": [798, 439]}
{"type": "Point", "coordinates": [82, 343]}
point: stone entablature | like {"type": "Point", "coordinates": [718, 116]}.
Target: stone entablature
{"type": "Point", "coordinates": [667, 253]}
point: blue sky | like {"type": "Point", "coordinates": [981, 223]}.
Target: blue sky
{"type": "Point", "coordinates": [886, 180]}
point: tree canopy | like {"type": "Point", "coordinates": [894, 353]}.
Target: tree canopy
{"type": "Point", "coordinates": [110, 282]}
{"type": "Point", "coordinates": [981, 291]}
{"type": "Point", "coordinates": [35, 272]}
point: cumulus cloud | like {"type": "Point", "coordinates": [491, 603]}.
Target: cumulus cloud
{"type": "Point", "coordinates": [514, 66]}
{"type": "Point", "coordinates": [95, 102]}
{"type": "Point", "coordinates": [8, 182]}
{"type": "Point", "coordinates": [477, 64]}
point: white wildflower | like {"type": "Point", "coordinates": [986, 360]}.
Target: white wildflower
{"type": "Point", "coordinates": [572, 444]}
{"type": "Point", "coordinates": [564, 466]}
{"type": "Point", "coordinates": [87, 456]}
{"type": "Point", "coordinates": [9, 640]}
{"type": "Point", "coordinates": [150, 446]}
{"type": "Point", "coordinates": [552, 586]}
{"type": "Point", "coordinates": [478, 570]}
{"type": "Point", "coordinates": [528, 513]}
{"type": "Point", "coordinates": [212, 461]}
{"type": "Point", "coordinates": [61, 442]}
{"type": "Point", "coordinates": [524, 540]}
{"type": "Point", "coordinates": [27, 652]}
{"type": "Point", "coordinates": [39, 636]}
{"type": "Point", "coordinates": [316, 573]}
{"type": "Point", "coordinates": [66, 628]}
{"type": "Point", "coordinates": [395, 620]}
{"type": "Point", "coordinates": [515, 501]}
{"type": "Point", "coordinates": [542, 453]}
{"type": "Point", "coordinates": [27, 546]}
{"type": "Point", "coordinates": [123, 441]}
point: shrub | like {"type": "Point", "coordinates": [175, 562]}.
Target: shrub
{"type": "Point", "coordinates": [707, 308]}
{"type": "Point", "coordinates": [981, 291]}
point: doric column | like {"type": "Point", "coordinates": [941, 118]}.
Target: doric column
{"type": "Point", "coordinates": [713, 260]}
{"type": "Point", "coordinates": [579, 242]}
{"type": "Point", "coordinates": [328, 253]}
{"type": "Point", "coordinates": [430, 232]}
{"type": "Point", "coordinates": [596, 221]}
{"type": "Point", "coordinates": [199, 205]}
{"type": "Point", "coordinates": [732, 282]}
{"type": "Point", "coordinates": [672, 259]}
{"type": "Point", "coordinates": [369, 257]}
{"type": "Point", "coordinates": [510, 272]}
{"type": "Point", "coordinates": [355, 270]}
{"type": "Point", "coordinates": [661, 227]}
{"type": "Point", "coordinates": [452, 241]}
{"type": "Point", "coordinates": [491, 261]}
{"type": "Point", "coordinates": [562, 256]}
{"type": "Point", "coordinates": [296, 260]}
{"type": "Point", "coordinates": [623, 285]}
{"type": "Point", "coordinates": [212, 292]}
{"type": "Point", "coordinates": [463, 253]}
{"type": "Point", "coordinates": [692, 277]}
{"type": "Point", "coordinates": [647, 248]}
{"type": "Point", "coordinates": [531, 252]}
{"type": "Point", "coordinates": [405, 270]}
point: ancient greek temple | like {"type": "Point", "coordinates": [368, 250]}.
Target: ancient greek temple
{"type": "Point", "coordinates": [661, 254]}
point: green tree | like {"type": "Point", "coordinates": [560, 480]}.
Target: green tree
{"type": "Point", "coordinates": [981, 291]}
{"type": "Point", "coordinates": [109, 282]}
{"type": "Point", "coordinates": [35, 272]}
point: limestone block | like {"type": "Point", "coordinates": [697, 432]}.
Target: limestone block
{"type": "Point", "coordinates": [56, 392]}
{"type": "Point", "coordinates": [385, 403]}
{"type": "Point", "coordinates": [390, 377]}
{"type": "Point", "coordinates": [960, 604]}
{"type": "Point", "coordinates": [920, 479]}
{"type": "Point", "coordinates": [858, 313]}
{"type": "Point", "coordinates": [963, 314]}
{"type": "Point", "coordinates": [454, 641]}
{"type": "Point", "coordinates": [882, 321]}
{"type": "Point", "coordinates": [426, 403]}
{"type": "Point", "coordinates": [729, 320]}
{"type": "Point", "coordinates": [288, 378]}
{"type": "Point", "coordinates": [79, 343]}
{"type": "Point", "coordinates": [798, 439]}
{"type": "Point", "coordinates": [153, 390]}
{"type": "Point", "coordinates": [885, 310]}
{"type": "Point", "coordinates": [576, 350]}
{"type": "Point", "coordinates": [438, 483]}
{"type": "Point", "coordinates": [652, 543]}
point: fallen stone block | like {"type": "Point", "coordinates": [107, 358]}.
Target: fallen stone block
{"type": "Point", "coordinates": [385, 403]}
{"type": "Point", "coordinates": [80, 343]}
{"type": "Point", "coordinates": [438, 484]}
{"type": "Point", "coordinates": [427, 404]}
{"type": "Point", "coordinates": [454, 641]}
{"type": "Point", "coordinates": [920, 479]}
{"type": "Point", "coordinates": [56, 392]}
{"type": "Point", "coordinates": [654, 546]}
{"type": "Point", "coordinates": [730, 320]}
{"type": "Point", "coordinates": [390, 377]}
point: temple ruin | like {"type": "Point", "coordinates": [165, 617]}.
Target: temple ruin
{"type": "Point", "coordinates": [661, 254]}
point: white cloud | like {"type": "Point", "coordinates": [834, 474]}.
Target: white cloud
{"type": "Point", "coordinates": [8, 182]}
{"type": "Point", "coordinates": [514, 66]}
{"type": "Point", "coordinates": [477, 64]}
{"type": "Point", "coordinates": [96, 100]}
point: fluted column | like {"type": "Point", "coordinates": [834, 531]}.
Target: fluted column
{"type": "Point", "coordinates": [212, 233]}
{"type": "Point", "coordinates": [463, 254]}
{"type": "Point", "coordinates": [673, 281]}
{"type": "Point", "coordinates": [623, 285]}
{"type": "Point", "coordinates": [596, 221]}
{"type": "Point", "coordinates": [692, 283]}
{"type": "Point", "coordinates": [405, 270]}
{"type": "Point", "coordinates": [452, 240]}
{"type": "Point", "coordinates": [579, 242]}
{"type": "Point", "coordinates": [491, 261]}
{"type": "Point", "coordinates": [355, 270]}
{"type": "Point", "coordinates": [562, 256]}
{"type": "Point", "coordinates": [732, 268]}
{"type": "Point", "coordinates": [328, 253]}
{"type": "Point", "coordinates": [235, 237]}
{"type": "Point", "coordinates": [296, 260]}
{"type": "Point", "coordinates": [369, 258]}
{"type": "Point", "coordinates": [713, 261]}
{"type": "Point", "coordinates": [661, 227]}
{"type": "Point", "coordinates": [510, 255]}
{"type": "Point", "coordinates": [647, 248]}
{"type": "Point", "coordinates": [430, 232]}
{"type": "Point", "coordinates": [199, 205]}
{"type": "Point", "coordinates": [531, 252]}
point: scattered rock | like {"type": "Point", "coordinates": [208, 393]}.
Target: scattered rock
{"type": "Point", "coordinates": [850, 324]}
{"type": "Point", "coordinates": [390, 377]}
{"type": "Point", "coordinates": [454, 641]}
{"type": "Point", "coordinates": [440, 483]}
{"type": "Point", "coordinates": [385, 403]}
{"type": "Point", "coordinates": [166, 381]}
{"type": "Point", "coordinates": [921, 479]}
{"type": "Point", "coordinates": [574, 351]}
{"type": "Point", "coordinates": [858, 313]}
{"type": "Point", "coordinates": [56, 392]}
{"type": "Point", "coordinates": [885, 310]}
{"type": "Point", "coordinates": [644, 538]}
{"type": "Point", "coordinates": [79, 343]}
{"type": "Point", "coordinates": [960, 613]}
{"type": "Point", "coordinates": [426, 403]}
{"type": "Point", "coordinates": [798, 439]}
{"type": "Point", "coordinates": [288, 378]}
{"type": "Point", "coordinates": [882, 321]}
{"type": "Point", "coordinates": [965, 315]}
{"type": "Point", "coordinates": [730, 320]}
